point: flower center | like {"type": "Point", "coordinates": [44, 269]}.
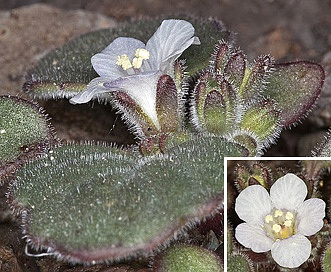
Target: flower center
{"type": "Point", "coordinates": [280, 224]}
{"type": "Point", "coordinates": [140, 55]}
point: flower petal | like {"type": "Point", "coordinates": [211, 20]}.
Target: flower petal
{"type": "Point", "coordinates": [142, 89]}
{"type": "Point", "coordinates": [310, 216]}
{"type": "Point", "coordinates": [169, 41]}
{"type": "Point", "coordinates": [291, 252]}
{"type": "Point", "coordinates": [288, 192]}
{"type": "Point", "coordinates": [253, 237]}
{"type": "Point", "coordinates": [104, 63]}
{"type": "Point", "coordinates": [95, 87]}
{"type": "Point", "coordinates": [253, 204]}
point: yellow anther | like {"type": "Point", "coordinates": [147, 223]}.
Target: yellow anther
{"type": "Point", "coordinates": [280, 224]}
{"type": "Point", "coordinates": [142, 54]}
{"type": "Point", "coordinates": [124, 61]}
{"type": "Point", "coordinates": [288, 223]}
{"type": "Point", "coordinates": [137, 62]}
{"type": "Point", "coordinates": [289, 216]}
{"type": "Point", "coordinates": [268, 218]}
{"type": "Point", "coordinates": [276, 228]}
{"type": "Point", "coordinates": [278, 213]}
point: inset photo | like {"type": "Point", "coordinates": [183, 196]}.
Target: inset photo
{"type": "Point", "coordinates": [278, 214]}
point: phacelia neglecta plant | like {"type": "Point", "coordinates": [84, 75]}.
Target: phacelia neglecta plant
{"type": "Point", "coordinates": [190, 98]}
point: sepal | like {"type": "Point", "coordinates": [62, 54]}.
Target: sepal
{"type": "Point", "coordinates": [263, 120]}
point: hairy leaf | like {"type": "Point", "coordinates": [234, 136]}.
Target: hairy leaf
{"type": "Point", "coordinates": [94, 203]}
{"type": "Point", "coordinates": [323, 149]}
{"type": "Point", "coordinates": [295, 87]}
{"type": "Point", "coordinates": [186, 258]}
{"type": "Point", "coordinates": [23, 128]}
{"type": "Point", "coordinates": [326, 258]}
{"type": "Point", "coordinates": [238, 262]}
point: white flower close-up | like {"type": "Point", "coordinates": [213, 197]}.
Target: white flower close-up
{"type": "Point", "coordinates": [279, 221]}
{"type": "Point", "coordinates": [129, 65]}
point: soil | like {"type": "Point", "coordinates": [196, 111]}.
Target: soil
{"type": "Point", "coordinates": [287, 29]}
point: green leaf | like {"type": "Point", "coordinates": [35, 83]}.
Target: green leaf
{"type": "Point", "coordinates": [94, 203]}
{"type": "Point", "coordinates": [238, 262]}
{"type": "Point", "coordinates": [23, 129]}
{"type": "Point", "coordinates": [210, 32]}
{"type": "Point", "coordinates": [326, 258]}
{"type": "Point", "coordinates": [65, 71]}
{"type": "Point", "coordinates": [295, 87]}
{"type": "Point", "coordinates": [187, 258]}
{"type": "Point", "coordinates": [323, 149]}
{"type": "Point", "coordinates": [73, 197]}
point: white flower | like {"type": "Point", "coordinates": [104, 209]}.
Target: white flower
{"type": "Point", "coordinates": [130, 66]}
{"type": "Point", "coordinates": [280, 221]}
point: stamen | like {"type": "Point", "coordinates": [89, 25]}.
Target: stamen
{"type": "Point", "coordinates": [124, 61]}
{"type": "Point", "coordinates": [269, 218]}
{"type": "Point", "coordinates": [142, 54]}
{"type": "Point", "coordinates": [280, 224]}
{"type": "Point", "coordinates": [276, 228]}
{"type": "Point", "coordinates": [278, 213]}
{"type": "Point", "coordinates": [289, 216]}
{"type": "Point", "coordinates": [288, 223]}
{"type": "Point", "coordinates": [137, 62]}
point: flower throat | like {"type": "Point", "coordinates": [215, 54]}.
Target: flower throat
{"type": "Point", "coordinates": [280, 224]}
